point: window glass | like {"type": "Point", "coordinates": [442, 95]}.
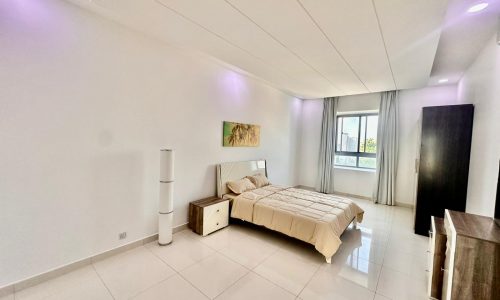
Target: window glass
{"type": "Point", "coordinates": [350, 128]}
{"type": "Point", "coordinates": [371, 134]}
{"type": "Point", "coordinates": [356, 141]}
{"type": "Point", "coordinates": [362, 134]}
{"type": "Point", "coordinates": [339, 133]}
{"type": "Point", "coordinates": [368, 162]}
{"type": "Point", "coordinates": [348, 161]}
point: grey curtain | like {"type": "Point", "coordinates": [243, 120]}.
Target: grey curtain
{"type": "Point", "coordinates": [387, 149]}
{"type": "Point", "coordinates": [324, 181]}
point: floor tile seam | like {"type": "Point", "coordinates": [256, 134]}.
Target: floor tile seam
{"type": "Point", "coordinates": [310, 279]}
{"type": "Point", "coordinates": [378, 279]}
{"type": "Point", "coordinates": [184, 268]}
{"type": "Point", "coordinates": [102, 281]}
{"type": "Point", "coordinates": [273, 283]}
{"type": "Point", "coordinates": [164, 262]}
{"type": "Point", "coordinates": [152, 286]}
{"type": "Point", "coordinates": [194, 286]}
{"type": "Point", "coordinates": [231, 259]}
{"type": "Point", "coordinates": [207, 257]}
{"type": "Point", "coordinates": [232, 284]}
{"type": "Point", "coordinates": [248, 268]}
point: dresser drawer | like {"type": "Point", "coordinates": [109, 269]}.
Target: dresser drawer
{"type": "Point", "coordinates": [215, 217]}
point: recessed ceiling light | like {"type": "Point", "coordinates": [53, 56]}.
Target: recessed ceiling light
{"type": "Point", "coordinates": [477, 7]}
{"type": "Point", "coordinates": [444, 80]}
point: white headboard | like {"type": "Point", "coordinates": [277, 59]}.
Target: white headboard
{"type": "Point", "coordinates": [231, 171]}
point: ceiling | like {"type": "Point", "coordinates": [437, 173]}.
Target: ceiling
{"type": "Point", "coordinates": [308, 48]}
{"type": "Point", "coordinates": [463, 37]}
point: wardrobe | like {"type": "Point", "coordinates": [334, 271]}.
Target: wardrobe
{"type": "Point", "coordinates": [443, 166]}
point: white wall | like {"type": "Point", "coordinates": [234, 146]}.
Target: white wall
{"type": "Point", "coordinates": [345, 180]}
{"type": "Point", "coordinates": [85, 106]}
{"type": "Point", "coordinates": [410, 115]}
{"type": "Point", "coordinates": [361, 182]}
{"type": "Point", "coordinates": [480, 86]}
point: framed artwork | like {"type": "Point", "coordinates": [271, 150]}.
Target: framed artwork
{"type": "Point", "coordinates": [240, 135]}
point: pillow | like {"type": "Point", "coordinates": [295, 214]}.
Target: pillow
{"type": "Point", "coordinates": [259, 180]}
{"type": "Point", "coordinates": [240, 186]}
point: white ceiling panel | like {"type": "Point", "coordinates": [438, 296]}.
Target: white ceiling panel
{"type": "Point", "coordinates": [353, 28]}
{"type": "Point", "coordinates": [411, 31]}
{"type": "Point", "coordinates": [221, 19]}
{"type": "Point", "coordinates": [164, 24]}
{"type": "Point", "coordinates": [288, 23]}
{"type": "Point", "coordinates": [308, 48]}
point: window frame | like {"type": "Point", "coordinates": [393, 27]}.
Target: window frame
{"type": "Point", "coordinates": [358, 153]}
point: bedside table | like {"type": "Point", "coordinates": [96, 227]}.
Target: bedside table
{"type": "Point", "coordinates": [208, 215]}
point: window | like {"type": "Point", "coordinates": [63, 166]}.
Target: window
{"type": "Point", "coordinates": [356, 141]}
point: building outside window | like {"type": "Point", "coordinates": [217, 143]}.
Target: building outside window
{"type": "Point", "coordinates": [356, 140]}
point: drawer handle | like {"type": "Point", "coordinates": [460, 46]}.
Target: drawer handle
{"type": "Point", "coordinates": [218, 210]}
{"type": "Point", "coordinates": [444, 270]}
{"type": "Point", "coordinates": [217, 224]}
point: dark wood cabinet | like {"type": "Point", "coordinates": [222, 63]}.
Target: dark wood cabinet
{"type": "Point", "coordinates": [444, 162]}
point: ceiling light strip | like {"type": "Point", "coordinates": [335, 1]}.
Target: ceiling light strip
{"type": "Point", "coordinates": [221, 37]}
{"type": "Point", "coordinates": [333, 45]}
{"type": "Point", "coordinates": [383, 41]}
{"type": "Point", "coordinates": [282, 44]}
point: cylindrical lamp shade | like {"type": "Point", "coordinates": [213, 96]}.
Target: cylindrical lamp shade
{"type": "Point", "coordinates": [165, 229]}
{"type": "Point", "coordinates": [166, 197]}
{"type": "Point", "coordinates": [167, 165]}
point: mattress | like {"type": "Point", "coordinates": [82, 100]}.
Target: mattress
{"type": "Point", "coordinates": [312, 217]}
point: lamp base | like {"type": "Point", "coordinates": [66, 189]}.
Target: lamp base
{"type": "Point", "coordinates": [160, 244]}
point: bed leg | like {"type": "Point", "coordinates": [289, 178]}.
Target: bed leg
{"type": "Point", "coordinates": [328, 260]}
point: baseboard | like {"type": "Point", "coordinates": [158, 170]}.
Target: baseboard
{"type": "Point", "coordinates": [304, 187]}
{"type": "Point", "coordinates": [407, 205]}
{"type": "Point", "coordinates": [5, 291]}
{"type": "Point", "coordinates": [56, 272]}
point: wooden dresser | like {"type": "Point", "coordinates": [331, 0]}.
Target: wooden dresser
{"type": "Point", "coordinates": [472, 264]}
{"type": "Point", "coordinates": [208, 215]}
{"type": "Point", "coordinates": [436, 256]}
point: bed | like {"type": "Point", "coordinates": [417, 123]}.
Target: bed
{"type": "Point", "coordinates": [315, 218]}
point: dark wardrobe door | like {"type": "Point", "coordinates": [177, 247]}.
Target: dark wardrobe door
{"type": "Point", "coordinates": [444, 162]}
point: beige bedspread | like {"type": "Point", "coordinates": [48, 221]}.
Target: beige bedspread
{"type": "Point", "coordinates": [312, 217]}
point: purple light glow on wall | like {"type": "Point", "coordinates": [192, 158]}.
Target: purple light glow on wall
{"type": "Point", "coordinates": [28, 11]}
{"type": "Point", "coordinates": [234, 84]}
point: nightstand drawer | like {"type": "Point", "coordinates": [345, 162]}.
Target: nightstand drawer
{"type": "Point", "coordinates": [215, 217]}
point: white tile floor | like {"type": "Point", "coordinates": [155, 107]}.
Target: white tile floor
{"type": "Point", "coordinates": [381, 259]}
